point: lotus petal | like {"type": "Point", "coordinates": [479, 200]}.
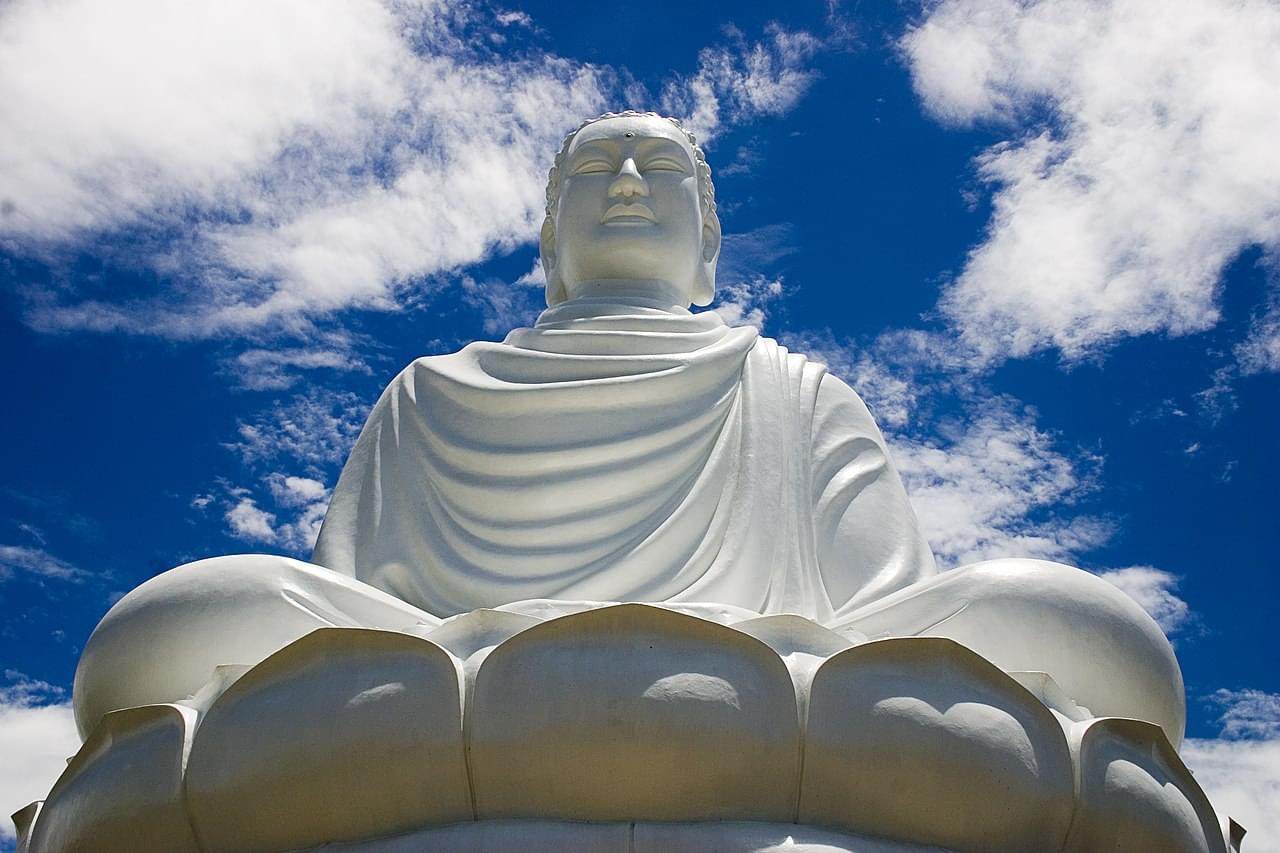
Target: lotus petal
{"type": "Point", "coordinates": [347, 733]}
{"type": "Point", "coordinates": [922, 740]}
{"type": "Point", "coordinates": [1136, 794]}
{"type": "Point", "coordinates": [123, 790]}
{"type": "Point", "coordinates": [634, 712]}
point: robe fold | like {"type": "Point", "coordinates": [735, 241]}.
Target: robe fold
{"type": "Point", "coordinates": [623, 452]}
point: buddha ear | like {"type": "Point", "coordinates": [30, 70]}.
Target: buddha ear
{"type": "Point", "coordinates": [704, 289]}
{"type": "Point", "coordinates": [547, 249]}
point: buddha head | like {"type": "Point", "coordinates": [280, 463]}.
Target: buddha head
{"type": "Point", "coordinates": [630, 205]}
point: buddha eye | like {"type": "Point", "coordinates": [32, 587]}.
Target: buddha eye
{"type": "Point", "coordinates": [593, 167]}
{"type": "Point", "coordinates": [664, 164]}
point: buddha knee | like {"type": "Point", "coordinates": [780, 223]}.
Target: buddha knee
{"type": "Point", "coordinates": [162, 641]}
{"type": "Point", "coordinates": [1094, 640]}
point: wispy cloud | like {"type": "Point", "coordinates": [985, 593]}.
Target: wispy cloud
{"type": "Point", "coordinates": [310, 430]}
{"type": "Point", "coordinates": [748, 284]}
{"type": "Point", "coordinates": [265, 369]}
{"type": "Point", "coordinates": [1248, 714]}
{"type": "Point", "coordinates": [742, 80]}
{"type": "Point", "coordinates": [288, 455]}
{"type": "Point", "coordinates": [16, 559]}
{"type": "Point", "coordinates": [1138, 162]}
{"type": "Point", "coordinates": [37, 735]}
{"type": "Point", "coordinates": [994, 485]}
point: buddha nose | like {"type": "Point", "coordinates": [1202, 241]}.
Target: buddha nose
{"type": "Point", "coordinates": [628, 182]}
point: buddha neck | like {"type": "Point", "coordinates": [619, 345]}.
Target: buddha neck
{"type": "Point", "coordinates": [609, 293]}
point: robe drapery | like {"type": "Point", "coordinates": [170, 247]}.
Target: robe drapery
{"type": "Point", "coordinates": [623, 452]}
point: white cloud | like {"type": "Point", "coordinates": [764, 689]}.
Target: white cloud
{"type": "Point", "coordinates": [1139, 160]}
{"type": "Point", "coordinates": [248, 521]}
{"type": "Point", "coordinates": [1240, 770]}
{"type": "Point", "coordinates": [897, 373]}
{"type": "Point", "coordinates": [310, 434]}
{"type": "Point", "coordinates": [260, 369]}
{"type": "Point", "coordinates": [1242, 779]}
{"type": "Point", "coordinates": [299, 503]}
{"type": "Point", "coordinates": [741, 81]}
{"type": "Point", "coordinates": [37, 735]}
{"type": "Point", "coordinates": [1259, 352]}
{"type": "Point", "coordinates": [1154, 590]}
{"type": "Point", "coordinates": [989, 488]}
{"type": "Point", "coordinates": [36, 561]}
{"type": "Point", "coordinates": [314, 429]}
{"type": "Point", "coordinates": [309, 156]}
{"type": "Point", "coordinates": [269, 165]}
{"type": "Point", "coordinates": [108, 112]}
{"type": "Point", "coordinates": [746, 287]}
{"type": "Point", "coordinates": [1248, 713]}
{"type": "Point", "coordinates": [744, 302]}
{"type": "Point", "coordinates": [507, 305]}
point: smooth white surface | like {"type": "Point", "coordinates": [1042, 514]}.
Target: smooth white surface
{"type": "Point", "coordinates": [123, 792]}
{"type": "Point", "coordinates": [627, 204]}
{"type": "Point", "coordinates": [923, 740]}
{"type": "Point", "coordinates": [618, 713]}
{"type": "Point", "coordinates": [634, 712]}
{"type": "Point", "coordinates": [1104, 651]}
{"type": "Point", "coordinates": [162, 641]}
{"type": "Point", "coordinates": [624, 450]}
{"type": "Point", "coordinates": [622, 453]}
{"type": "Point", "coordinates": [344, 734]}
{"type": "Point", "coordinates": [1136, 794]}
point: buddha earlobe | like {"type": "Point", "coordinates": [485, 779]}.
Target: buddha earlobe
{"type": "Point", "coordinates": [704, 289]}
{"type": "Point", "coordinates": [547, 249]}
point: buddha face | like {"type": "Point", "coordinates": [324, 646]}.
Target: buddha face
{"type": "Point", "coordinates": [630, 211]}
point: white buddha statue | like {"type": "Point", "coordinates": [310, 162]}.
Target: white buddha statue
{"type": "Point", "coordinates": [624, 449]}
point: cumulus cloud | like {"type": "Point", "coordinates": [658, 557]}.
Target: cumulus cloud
{"type": "Point", "coordinates": [274, 162]}
{"type": "Point", "coordinates": [249, 522]}
{"type": "Point", "coordinates": [1155, 590]}
{"type": "Point", "coordinates": [37, 735]}
{"type": "Point", "coordinates": [743, 80]}
{"type": "Point", "coordinates": [1139, 161]}
{"type": "Point", "coordinates": [299, 503]}
{"type": "Point", "coordinates": [1240, 769]}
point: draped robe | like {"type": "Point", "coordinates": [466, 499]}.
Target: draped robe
{"type": "Point", "coordinates": [624, 452]}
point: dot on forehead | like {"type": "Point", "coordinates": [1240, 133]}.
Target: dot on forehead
{"type": "Point", "coordinates": [631, 127]}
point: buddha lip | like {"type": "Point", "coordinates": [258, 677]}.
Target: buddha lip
{"type": "Point", "coordinates": [624, 213]}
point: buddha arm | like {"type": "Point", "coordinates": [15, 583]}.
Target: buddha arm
{"type": "Point", "coordinates": [868, 541]}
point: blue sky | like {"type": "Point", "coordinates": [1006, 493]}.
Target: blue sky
{"type": "Point", "coordinates": [1040, 239]}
